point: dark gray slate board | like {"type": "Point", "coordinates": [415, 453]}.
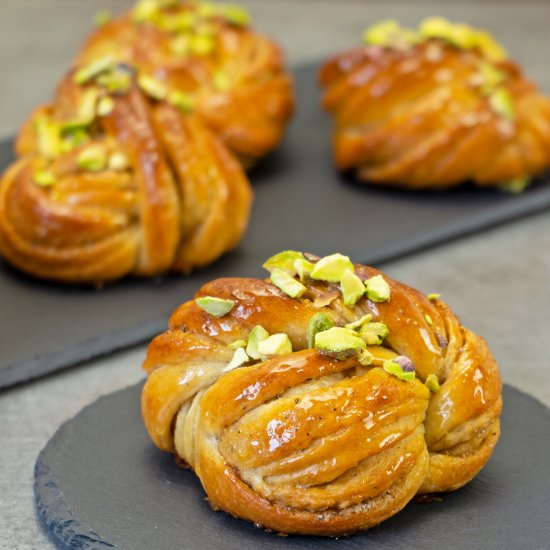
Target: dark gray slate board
{"type": "Point", "coordinates": [100, 483]}
{"type": "Point", "coordinates": [301, 203]}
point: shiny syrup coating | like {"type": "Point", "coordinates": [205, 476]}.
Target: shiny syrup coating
{"type": "Point", "coordinates": [305, 443]}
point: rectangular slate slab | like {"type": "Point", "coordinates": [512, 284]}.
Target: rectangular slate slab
{"type": "Point", "coordinates": [301, 203]}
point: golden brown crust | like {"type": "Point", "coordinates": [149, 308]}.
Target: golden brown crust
{"type": "Point", "coordinates": [415, 117]}
{"type": "Point", "coordinates": [248, 113]}
{"type": "Point", "coordinates": [181, 201]}
{"type": "Point", "coordinates": [304, 443]}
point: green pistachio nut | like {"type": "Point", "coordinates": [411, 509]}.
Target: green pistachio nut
{"type": "Point", "coordinates": [207, 10]}
{"type": "Point", "coordinates": [331, 268]}
{"type": "Point", "coordinates": [373, 333]}
{"type": "Point", "coordinates": [237, 344]}
{"type": "Point", "coordinates": [105, 106]}
{"type": "Point", "coordinates": [44, 178]}
{"type": "Point", "coordinates": [338, 342]}
{"type": "Point", "coordinates": [284, 260]}
{"type": "Point", "coordinates": [365, 358]}
{"type": "Point", "coordinates": [74, 138]}
{"type": "Point", "coordinates": [201, 44]}
{"type": "Point", "coordinates": [501, 102]}
{"type": "Point", "coordinates": [434, 296]}
{"type": "Point", "coordinates": [145, 11]}
{"type": "Point", "coordinates": [432, 383]}
{"type": "Point", "coordinates": [274, 346]}
{"type": "Point", "coordinates": [117, 80]}
{"type": "Point", "coordinates": [184, 102]}
{"type": "Point", "coordinates": [352, 288]}
{"type": "Point", "coordinates": [428, 319]}
{"type": "Point", "coordinates": [102, 17]}
{"type": "Point", "coordinates": [93, 158]}
{"type": "Point", "coordinates": [288, 284]}
{"type": "Point", "coordinates": [93, 69]}
{"type": "Point", "coordinates": [401, 367]}
{"type": "Point", "coordinates": [491, 77]}
{"type": "Point", "coordinates": [303, 268]}
{"type": "Point", "coordinates": [257, 334]}
{"type": "Point", "coordinates": [356, 325]}
{"type": "Point", "coordinates": [489, 47]}
{"type": "Point", "coordinates": [238, 360]}
{"type": "Point", "coordinates": [236, 15]}
{"type": "Point", "coordinates": [319, 322]}
{"type": "Point", "coordinates": [179, 22]}
{"type": "Point", "coordinates": [180, 45]}
{"type": "Point", "coordinates": [382, 33]}
{"type": "Point", "coordinates": [378, 289]}
{"type": "Point", "coordinates": [516, 185]}
{"type": "Point", "coordinates": [217, 307]}
{"type": "Point", "coordinates": [152, 87]}
{"type": "Point", "coordinates": [48, 135]}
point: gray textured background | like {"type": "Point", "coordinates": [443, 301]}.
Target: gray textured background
{"type": "Point", "coordinates": [498, 282]}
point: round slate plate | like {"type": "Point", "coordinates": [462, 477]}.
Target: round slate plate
{"type": "Point", "coordinates": [100, 483]}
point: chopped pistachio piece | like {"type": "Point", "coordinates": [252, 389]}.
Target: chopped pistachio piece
{"type": "Point", "coordinates": [373, 333]}
{"type": "Point", "coordinates": [283, 260]}
{"type": "Point", "coordinates": [93, 158]}
{"type": "Point", "coordinates": [184, 102]}
{"type": "Point", "coordinates": [429, 320]}
{"type": "Point", "coordinates": [338, 342]}
{"type": "Point", "coordinates": [303, 268]}
{"type": "Point", "coordinates": [400, 366]}
{"type": "Point", "coordinates": [207, 10]}
{"type": "Point", "coordinates": [145, 10]}
{"type": "Point", "coordinates": [432, 383]}
{"type": "Point", "coordinates": [274, 345]}
{"type": "Point", "coordinates": [179, 22]}
{"type": "Point", "coordinates": [49, 137]}
{"type": "Point", "coordinates": [378, 289]}
{"type": "Point", "coordinates": [365, 357]}
{"type": "Point", "coordinates": [105, 106]}
{"type": "Point", "coordinates": [152, 87]}
{"type": "Point", "coordinates": [489, 47]}
{"type": "Point", "coordinates": [221, 81]}
{"type": "Point", "coordinates": [491, 77]}
{"type": "Point", "coordinates": [352, 288]}
{"type": "Point", "coordinates": [356, 325]}
{"type": "Point", "coordinates": [93, 69]}
{"type": "Point", "coordinates": [434, 296]}
{"type": "Point", "coordinates": [117, 80]}
{"type": "Point", "coordinates": [201, 44]}
{"type": "Point", "coordinates": [74, 138]}
{"type": "Point", "coordinates": [118, 162]}
{"type": "Point", "coordinates": [331, 268]}
{"type": "Point", "coordinates": [239, 358]}
{"type": "Point", "coordinates": [457, 34]}
{"type": "Point", "coordinates": [237, 344]}
{"type": "Point", "coordinates": [217, 307]}
{"type": "Point", "coordinates": [257, 334]}
{"type": "Point", "coordinates": [102, 17]}
{"type": "Point", "coordinates": [388, 33]}
{"type": "Point", "coordinates": [517, 185]}
{"type": "Point", "coordinates": [317, 323]}
{"type": "Point", "coordinates": [502, 103]}
{"type": "Point", "coordinates": [236, 15]}
{"type": "Point", "coordinates": [288, 284]}
{"type": "Point", "coordinates": [180, 45]}
{"type": "Point", "coordinates": [44, 178]}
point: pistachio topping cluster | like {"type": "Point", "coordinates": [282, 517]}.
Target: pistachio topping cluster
{"type": "Point", "coordinates": [189, 23]}
{"type": "Point", "coordinates": [289, 270]}
{"type": "Point", "coordinates": [336, 268]}
{"type": "Point", "coordinates": [488, 79]}
{"type": "Point", "coordinates": [260, 346]}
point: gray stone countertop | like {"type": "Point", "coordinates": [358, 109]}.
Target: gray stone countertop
{"type": "Point", "coordinates": [498, 281]}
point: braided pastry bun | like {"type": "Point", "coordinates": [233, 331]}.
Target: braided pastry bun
{"type": "Point", "coordinates": [233, 78]}
{"type": "Point", "coordinates": [112, 182]}
{"type": "Point", "coordinates": [434, 108]}
{"type": "Point", "coordinates": [323, 400]}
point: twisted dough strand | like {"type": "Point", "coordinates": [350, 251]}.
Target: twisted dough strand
{"type": "Point", "coordinates": [415, 117]}
{"type": "Point", "coordinates": [304, 443]}
{"type": "Point", "coordinates": [179, 203]}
